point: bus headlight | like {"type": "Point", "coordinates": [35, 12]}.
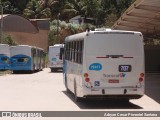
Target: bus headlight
{"type": "Point", "coordinates": [7, 61]}
{"type": "Point", "coordinates": [25, 59]}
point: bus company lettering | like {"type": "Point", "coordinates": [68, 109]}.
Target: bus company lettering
{"type": "Point", "coordinates": [121, 75]}
{"type": "Point", "coordinates": [54, 59]}
{"type": "Point", "coordinates": [95, 66]}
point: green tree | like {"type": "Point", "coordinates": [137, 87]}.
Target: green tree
{"type": "Point", "coordinates": [72, 8]}
{"type": "Point", "coordinates": [8, 8]}
{"type": "Point", "coordinates": [64, 30]}
{"type": "Point", "coordinates": [13, 6]}
{"type": "Point", "coordinates": [94, 9]}
{"type": "Point", "coordinates": [100, 10]}
{"type": "Point", "coordinates": [48, 8]}
{"type": "Point", "coordinates": [20, 4]}
{"type": "Point", "coordinates": [7, 39]}
{"type": "Point", "coordinates": [39, 9]}
{"type": "Point", "coordinates": [32, 10]}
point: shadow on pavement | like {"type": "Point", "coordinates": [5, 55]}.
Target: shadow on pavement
{"type": "Point", "coordinates": [58, 71]}
{"type": "Point", "coordinates": [152, 88]}
{"type": "Point", "coordinates": [101, 104]}
{"type": "Point", "coordinates": [26, 72]}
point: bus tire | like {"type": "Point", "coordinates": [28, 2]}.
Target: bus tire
{"type": "Point", "coordinates": [31, 71]}
{"type": "Point", "coordinates": [34, 67]}
{"type": "Point", "coordinates": [53, 69]}
{"type": "Point", "coordinates": [77, 99]}
{"type": "Point", "coordinates": [66, 86]}
{"type": "Point", "coordinates": [15, 72]}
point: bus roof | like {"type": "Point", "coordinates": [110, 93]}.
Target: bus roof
{"type": "Point", "coordinates": [24, 46]}
{"type": "Point", "coordinates": [4, 45]}
{"type": "Point", "coordinates": [4, 49]}
{"type": "Point", "coordinates": [57, 45]}
{"type": "Point", "coordinates": [81, 36]}
{"type": "Point", "coordinates": [27, 46]}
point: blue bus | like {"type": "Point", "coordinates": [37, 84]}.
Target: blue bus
{"type": "Point", "coordinates": [4, 57]}
{"type": "Point", "coordinates": [27, 58]}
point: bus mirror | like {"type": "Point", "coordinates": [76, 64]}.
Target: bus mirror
{"type": "Point", "coordinates": [61, 53]}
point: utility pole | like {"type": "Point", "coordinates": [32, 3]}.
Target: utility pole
{"type": "Point", "coordinates": [58, 27]}
{"type": "Point", "coordinates": [1, 29]}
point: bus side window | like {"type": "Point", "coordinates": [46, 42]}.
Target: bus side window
{"type": "Point", "coordinates": [73, 51]}
{"type": "Point", "coordinates": [61, 53]}
{"type": "Point", "coordinates": [77, 49]}
{"type": "Point", "coordinates": [67, 51]}
{"type": "Point", "coordinates": [82, 44]}
{"type": "Point", "coordinates": [80, 52]}
{"type": "Point", "coordinates": [70, 51]}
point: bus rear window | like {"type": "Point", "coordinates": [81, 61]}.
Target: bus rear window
{"type": "Point", "coordinates": [121, 44]}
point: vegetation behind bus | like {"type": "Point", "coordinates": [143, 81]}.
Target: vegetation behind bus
{"type": "Point", "coordinates": [104, 12]}
{"type": "Point", "coordinates": [64, 30]}
{"type": "Point", "coordinates": [7, 39]}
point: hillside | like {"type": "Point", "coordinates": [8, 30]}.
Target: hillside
{"type": "Point", "coordinates": [103, 12]}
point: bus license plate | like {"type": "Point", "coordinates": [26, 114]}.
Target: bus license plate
{"type": "Point", "coordinates": [125, 68]}
{"type": "Point", "coordinates": [113, 81]}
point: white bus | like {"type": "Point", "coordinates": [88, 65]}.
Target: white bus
{"type": "Point", "coordinates": [105, 64]}
{"type": "Point", "coordinates": [4, 57]}
{"type": "Point", "coordinates": [27, 58]}
{"type": "Point", "coordinates": [55, 62]}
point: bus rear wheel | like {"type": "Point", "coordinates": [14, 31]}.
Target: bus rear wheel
{"type": "Point", "coordinates": [15, 72]}
{"type": "Point", "coordinates": [53, 69]}
{"type": "Point", "coordinates": [77, 99]}
{"type": "Point", "coordinates": [66, 86]}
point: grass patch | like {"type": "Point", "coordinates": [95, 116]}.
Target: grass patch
{"type": "Point", "coordinates": [2, 73]}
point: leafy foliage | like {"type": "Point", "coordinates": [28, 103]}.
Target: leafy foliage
{"type": "Point", "coordinates": [64, 30]}
{"type": "Point", "coordinates": [7, 39]}
{"type": "Point", "coordinates": [103, 12]}
{"type": "Point", "coordinates": [100, 10]}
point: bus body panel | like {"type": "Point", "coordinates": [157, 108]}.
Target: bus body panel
{"type": "Point", "coordinates": [21, 62]}
{"type": "Point", "coordinates": [4, 57]}
{"type": "Point", "coordinates": [24, 57]}
{"type": "Point", "coordinates": [21, 58]}
{"type": "Point", "coordinates": [4, 62]}
{"type": "Point", "coordinates": [54, 53]}
{"type": "Point", "coordinates": [127, 51]}
{"type": "Point", "coordinates": [114, 62]}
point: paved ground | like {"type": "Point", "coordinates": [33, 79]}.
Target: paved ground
{"type": "Point", "coordinates": [44, 91]}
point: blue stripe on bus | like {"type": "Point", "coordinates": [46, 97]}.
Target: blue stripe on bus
{"type": "Point", "coordinates": [21, 62]}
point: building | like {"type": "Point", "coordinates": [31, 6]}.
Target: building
{"type": "Point", "coordinates": [32, 32]}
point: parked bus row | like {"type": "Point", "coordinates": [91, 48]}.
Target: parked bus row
{"type": "Point", "coordinates": [21, 58]}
